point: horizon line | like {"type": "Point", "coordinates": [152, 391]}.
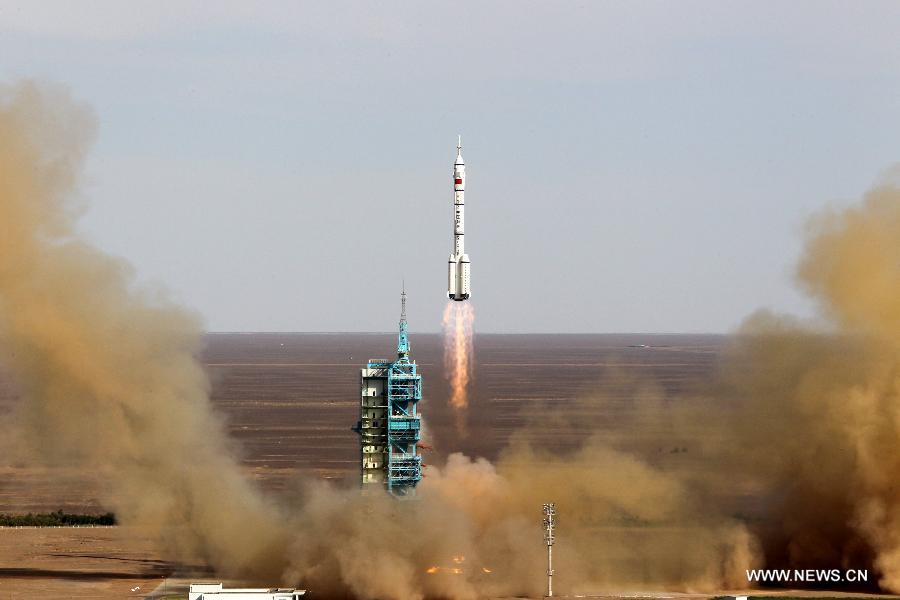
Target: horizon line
{"type": "Point", "coordinates": [392, 332]}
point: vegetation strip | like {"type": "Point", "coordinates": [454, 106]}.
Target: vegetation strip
{"type": "Point", "coordinates": [56, 519]}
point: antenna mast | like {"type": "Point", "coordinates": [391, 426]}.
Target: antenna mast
{"type": "Point", "coordinates": [549, 527]}
{"type": "Point", "coordinates": [403, 338]}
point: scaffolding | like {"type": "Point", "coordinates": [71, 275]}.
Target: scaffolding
{"type": "Point", "coordinates": [389, 425]}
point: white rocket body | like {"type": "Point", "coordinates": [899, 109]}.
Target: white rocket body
{"type": "Point", "coordinates": [458, 266]}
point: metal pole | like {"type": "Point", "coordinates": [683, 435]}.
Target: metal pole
{"type": "Point", "coordinates": [549, 571]}
{"type": "Point", "coordinates": [549, 526]}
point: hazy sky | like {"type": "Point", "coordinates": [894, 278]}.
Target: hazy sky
{"type": "Point", "coordinates": [632, 166]}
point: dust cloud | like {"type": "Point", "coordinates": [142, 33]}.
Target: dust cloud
{"type": "Point", "coordinates": [106, 370]}
{"type": "Point", "coordinates": [109, 381]}
{"type": "Point", "coordinates": [816, 407]}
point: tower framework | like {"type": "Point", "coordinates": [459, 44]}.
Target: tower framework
{"type": "Point", "coordinates": [389, 425]}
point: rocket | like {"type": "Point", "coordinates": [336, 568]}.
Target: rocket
{"type": "Point", "coordinates": [458, 269]}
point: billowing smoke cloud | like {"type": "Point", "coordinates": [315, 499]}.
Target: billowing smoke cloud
{"type": "Point", "coordinates": [109, 382]}
{"type": "Point", "coordinates": [816, 413]}
{"type": "Point", "coordinates": [475, 531]}
{"type": "Point", "coordinates": [107, 370]}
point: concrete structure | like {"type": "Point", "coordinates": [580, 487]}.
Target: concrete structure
{"type": "Point", "coordinates": [389, 423]}
{"type": "Point", "coordinates": [215, 591]}
{"type": "Point", "coordinates": [458, 267]}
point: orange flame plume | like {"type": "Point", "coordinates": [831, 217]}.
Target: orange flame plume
{"type": "Point", "coordinates": [459, 319]}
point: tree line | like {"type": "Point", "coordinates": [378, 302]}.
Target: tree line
{"type": "Point", "coordinates": [55, 519]}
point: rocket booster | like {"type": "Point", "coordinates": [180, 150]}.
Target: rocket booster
{"type": "Point", "coordinates": [458, 267]}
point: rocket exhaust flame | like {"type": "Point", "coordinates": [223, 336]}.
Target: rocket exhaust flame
{"type": "Point", "coordinates": [458, 322]}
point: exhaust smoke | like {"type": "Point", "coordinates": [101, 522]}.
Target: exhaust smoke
{"type": "Point", "coordinates": [106, 369]}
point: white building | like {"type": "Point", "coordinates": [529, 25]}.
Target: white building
{"type": "Point", "coordinates": [215, 591]}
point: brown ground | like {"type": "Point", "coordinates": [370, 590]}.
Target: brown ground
{"type": "Point", "coordinates": [290, 400]}
{"type": "Point", "coordinates": [83, 562]}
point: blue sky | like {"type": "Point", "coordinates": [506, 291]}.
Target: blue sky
{"type": "Point", "coordinates": [632, 166]}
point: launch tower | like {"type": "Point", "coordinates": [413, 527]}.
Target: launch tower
{"type": "Point", "coordinates": [389, 423]}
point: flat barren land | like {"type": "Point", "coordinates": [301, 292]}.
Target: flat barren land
{"type": "Point", "coordinates": [289, 401]}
